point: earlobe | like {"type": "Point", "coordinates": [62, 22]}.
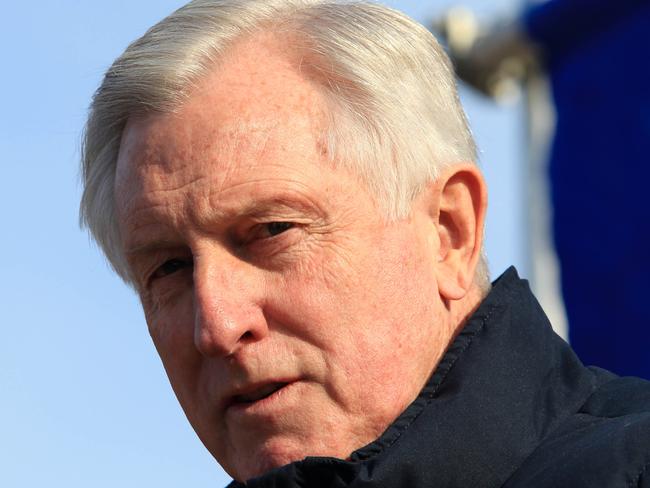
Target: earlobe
{"type": "Point", "coordinates": [462, 203]}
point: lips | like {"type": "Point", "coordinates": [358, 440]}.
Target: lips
{"type": "Point", "coordinates": [257, 394]}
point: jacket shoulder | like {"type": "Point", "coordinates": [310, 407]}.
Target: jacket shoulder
{"type": "Point", "coordinates": [619, 397]}
{"type": "Point", "coordinates": [606, 443]}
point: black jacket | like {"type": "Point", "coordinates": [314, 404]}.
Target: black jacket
{"type": "Point", "coordinates": [509, 405]}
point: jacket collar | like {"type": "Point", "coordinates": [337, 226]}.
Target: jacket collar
{"type": "Point", "coordinates": [504, 383]}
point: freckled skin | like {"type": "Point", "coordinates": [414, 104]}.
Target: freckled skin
{"type": "Point", "coordinates": [342, 303]}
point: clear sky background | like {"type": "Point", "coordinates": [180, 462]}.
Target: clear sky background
{"type": "Point", "coordinates": [84, 401]}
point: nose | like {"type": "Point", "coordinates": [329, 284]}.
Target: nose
{"type": "Point", "coordinates": [228, 311]}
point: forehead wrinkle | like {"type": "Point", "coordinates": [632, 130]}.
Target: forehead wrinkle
{"type": "Point", "coordinates": [173, 153]}
{"type": "Point", "coordinates": [240, 150]}
{"type": "Point", "coordinates": [197, 198]}
{"type": "Point", "coordinates": [158, 178]}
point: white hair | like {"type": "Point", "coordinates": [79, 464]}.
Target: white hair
{"type": "Point", "coordinates": [395, 116]}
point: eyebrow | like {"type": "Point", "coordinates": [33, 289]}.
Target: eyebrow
{"type": "Point", "coordinates": [262, 206]}
{"type": "Point", "coordinates": [155, 245]}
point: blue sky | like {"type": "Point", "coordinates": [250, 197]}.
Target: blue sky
{"type": "Point", "coordinates": [85, 401]}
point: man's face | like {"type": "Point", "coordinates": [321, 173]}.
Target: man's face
{"type": "Point", "coordinates": [291, 319]}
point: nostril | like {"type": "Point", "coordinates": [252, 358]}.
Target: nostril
{"type": "Point", "coordinates": [247, 335]}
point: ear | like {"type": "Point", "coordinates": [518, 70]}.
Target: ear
{"type": "Point", "coordinates": [459, 214]}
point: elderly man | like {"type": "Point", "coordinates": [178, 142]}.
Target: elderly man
{"type": "Point", "coordinates": [289, 186]}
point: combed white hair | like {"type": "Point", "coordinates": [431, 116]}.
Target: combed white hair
{"type": "Point", "coordinates": [395, 116]}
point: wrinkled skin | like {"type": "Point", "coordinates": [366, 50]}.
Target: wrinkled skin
{"type": "Point", "coordinates": [261, 264]}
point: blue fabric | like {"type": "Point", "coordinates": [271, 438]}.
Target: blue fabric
{"type": "Point", "coordinates": [563, 25]}
{"type": "Point", "coordinates": [598, 55]}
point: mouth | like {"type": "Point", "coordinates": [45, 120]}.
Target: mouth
{"type": "Point", "coordinates": [257, 394]}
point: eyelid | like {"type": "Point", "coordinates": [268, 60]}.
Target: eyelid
{"type": "Point", "coordinates": [267, 226]}
{"type": "Point", "coordinates": [183, 264]}
{"type": "Point", "coordinates": [256, 243]}
{"type": "Point", "coordinates": [149, 277]}
{"type": "Point", "coordinates": [260, 231]}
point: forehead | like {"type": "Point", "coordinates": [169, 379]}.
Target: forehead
{"type": "Point", "coordinates": [255, 109]}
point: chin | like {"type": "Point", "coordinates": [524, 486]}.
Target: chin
{"type": "Point", "coordinates": [274, 453]}
{"type": "Point", "coordinates": [252, 463]}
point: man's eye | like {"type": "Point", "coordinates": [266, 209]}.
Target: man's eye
{"type": "Point", "coordinates": [171, 267]}
{"type": "Point", "coordinates": [276, 228]}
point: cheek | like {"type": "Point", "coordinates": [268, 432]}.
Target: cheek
{"type": "Point", "coordinates": [363, 308]}
{"type": "Point", "coordinates": [171, 327]}
{"type": "Point", "coordinates": [172, 332]}
{"type": "Point", "coordinates": [396, 283]}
